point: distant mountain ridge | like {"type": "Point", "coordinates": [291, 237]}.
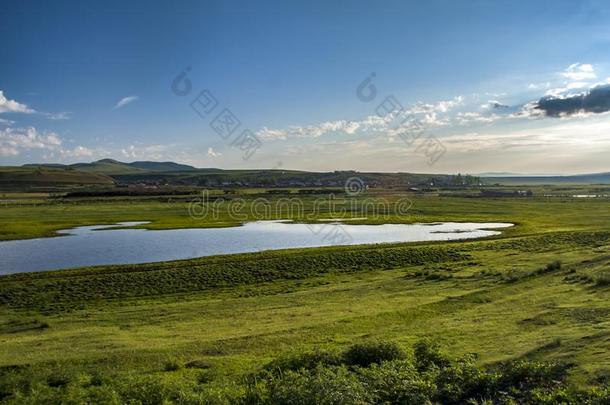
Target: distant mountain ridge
{"type": "Point", "coordinates": [588, 178]}
{"type": "Point", "coordinates": [171, 173]}
{"type": "Point", "coordinates": [111, 166]}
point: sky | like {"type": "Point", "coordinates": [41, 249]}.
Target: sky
{"type": "Point", "coordinates": [402, 86]}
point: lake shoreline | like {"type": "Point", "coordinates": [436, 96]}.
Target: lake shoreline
{"type": "Point", "coordinates": [120, 243]}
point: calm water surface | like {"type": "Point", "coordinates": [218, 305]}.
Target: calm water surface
{"type": "Point", "coordinates": [95, 245]}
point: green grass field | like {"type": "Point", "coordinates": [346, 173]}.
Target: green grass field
{"type": "Point", "coordinates": [207, 324]}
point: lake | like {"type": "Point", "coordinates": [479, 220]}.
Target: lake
{"type": "Point", "coordinates": [115, 244]}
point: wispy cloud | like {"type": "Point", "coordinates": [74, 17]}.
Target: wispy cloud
{"type": "Point", "coordinates": [567, 135]}
{"type": "Point", "coordinates": [430, 115]}
{"type": "Point", "coordinates": [147, 152]}
{"type": "Point", "coordinates": [77, 152]}
{"type": "Point", "coordinates": [310, 131]}
{"type": "Point", "coordinates": [12, 106]}
{"type": "Point", "coordinates": [58, 116]}
{"type": "Point", "coordinates": [124, 101]}
{"type": "Point", "coordinates": [213, 153]}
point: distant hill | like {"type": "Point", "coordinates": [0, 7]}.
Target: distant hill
{"type": "Point", "coordinates": [592, 178]}
{"type": "Point", "coordinates": [30, 177]}
{"type": "Point", "coordinates": [111, 166]}
{"type": "Point", "coordinates": [161, 166]}
{"type": "Point", "coordinates": [106, 166]}
{"type": "Point", "coordinates": [171, 173]}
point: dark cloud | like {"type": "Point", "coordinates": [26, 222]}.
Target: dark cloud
{"type": "Point", "coordinates": [497, 105]}
{"type": "Point", "coordinates": [596, 100]}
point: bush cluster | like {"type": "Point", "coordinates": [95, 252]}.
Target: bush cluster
{"type": "Point", "coordinates": [382, 373]}
{"type": "Point", "coordinates": [368, 373]}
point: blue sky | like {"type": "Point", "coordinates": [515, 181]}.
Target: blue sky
{"type": "Point", "coordinates": [87, 80]}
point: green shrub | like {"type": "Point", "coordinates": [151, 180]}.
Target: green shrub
{"type": "Point", "coordinates": [427, 355]}
{"type": "Point", "coordinates": [172, 365]}
{"type": "Point", "coordinates": [530, 375]}
{"type": "Point", "coordinates": [553, 266]}
{"type": "Point", "coordinates": [462, 381]}
{"type": "Point", "coordinates": [370, 373]}
{"type": "Point", "coordinates": [201, 364]}
{"type": "Point", "coordinates": [397, 381]}
{"type": "Point", "coordinates": [58, 379]}
{"type": "Point", "coordinates": [365, 354]}
{"type": "Point", "coordinates": [304, 360]}
{"type": "Point", "coordinates": [602, 279]}
{"type": "Point", "coordinates": [323, 385]}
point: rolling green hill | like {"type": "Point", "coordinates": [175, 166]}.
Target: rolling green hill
{"type": "Point", "coordinates": [111, 166]}
{"type": "Point", "coordinates": [161, 166]}
{"type": "Point", "coordinates": [31, 177]}
{"type": "Point", "coordinates": [179, 174]}
{"type": "Point", "coordinates": [171, 173]}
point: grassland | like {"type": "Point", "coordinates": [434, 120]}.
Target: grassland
{"type": "Point", "coordinates": [207, 324]}
{"type": "Point", "coordinates": [19, 177]}
{"type": "Point", "coordinates": [30, 217]}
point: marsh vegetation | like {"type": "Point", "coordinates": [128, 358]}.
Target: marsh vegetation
{"type": "Point", "coordinates": [519, 317]}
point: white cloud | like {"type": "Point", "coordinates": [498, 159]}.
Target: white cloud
{"type": "Point", "coordinates": [568, 136]}
{"type": "Point", "coordinates": [575, 77]}
{"type": "Point", "coordinates": [579, 72]}
{"type": "Point", "coordinates": [464, 118]}
{"type": "Point", "coordinates": [124, 101]}
{"type": "Point", "coordinates": [444, 106]}
{"type": "Point", "coordinates": [494, 104]}
{"type": "Point", "coordinates": [432, 120]}
{"type": "Point", "coordinates": [57, 116]}
{"type": "Point", "coordinates": [77, 152]}
{"type": "Point", "coordinates": [384, 121]}
{"type": "Point", "coordinates": [13, 106]}
{"type": "Point", "coordinates": [147, 152]}
{"type": "Point", "coordinates": [309, 131]}
{"type": "Point", "coordinates": [267, 133]}
{"type": "Point", "coordinates": [13, 141]}
{"type": "Point", "coordinates": [213, 153]}
{"type": "Point", "coordinates": [130, 152]}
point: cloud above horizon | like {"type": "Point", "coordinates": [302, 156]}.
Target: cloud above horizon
{"type": "Point", "coordinates": [213, 153]}
{"type": "Point", "coordinates": [387, 114]}
{"type": "Point", "coordinates": [580, 72]}
{"type": "Point", "coordinates": [558, 100]}
{"type": "Point", "coordinates": [124, 101]}
{"type": "Point", "coordinates": [16, 141]}
{"type": "Point", "coordinates": [595, 100]}
{"type": "Point", "coordinates": [473, 126]}
{"type": "Point", "coordinates": [12, 106]}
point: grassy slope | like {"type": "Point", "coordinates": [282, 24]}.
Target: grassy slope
{"type": "Point", "coordinates": [238, 312]}
{"type": "Point", "coordinates": [29, 176]}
